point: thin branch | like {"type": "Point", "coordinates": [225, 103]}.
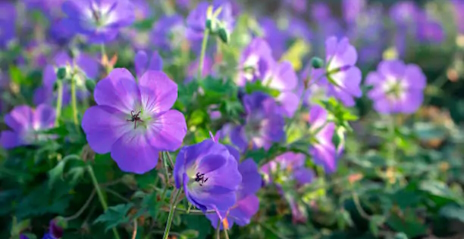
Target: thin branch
{"type": "Point", "coordinates": [86, 204]}
{"type": "Point", "coordinates": [117, 194]}
{"type": "Point", "coordinates": [359, 207]}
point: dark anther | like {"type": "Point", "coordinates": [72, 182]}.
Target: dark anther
{"type": "Point", "coordinates": [200, 178]}
{"type": "Point", "coordinates": [135, 118]}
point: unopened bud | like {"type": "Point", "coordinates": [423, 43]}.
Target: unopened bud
{"type": "Point", "coordinates": [61, 73]}
{"type": "Point", "coordinates": [317, 62]}
{"type": "Point", "coordinates": [223, 35]}
{"type": "Point", "coordinates": [90, 85]}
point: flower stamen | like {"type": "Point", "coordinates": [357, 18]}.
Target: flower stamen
{"type": "Point", "coordinates": [200, 178]}
{"type": "Point", "coordinates": [135, 118]}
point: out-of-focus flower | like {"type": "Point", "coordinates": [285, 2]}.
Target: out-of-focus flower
{"type": "Point", "coordinates": [98, 20]}
{"type": "Point", "coordinates": [397, 87]}
{"type": "Point", "coordinates": [209, 175]}
{"type": "Point", "coordinates": [299, 6]}
{"type": "Point", "coordinates": [84, 67]}
{"type": "Point", "coordinates": [264, 123]}
{"type": "Point", "coordinates": [143, 64]}
{"type": "Point", "coordinates": [322, 148]}
{"type": "Point", "coordinates": [7, 23]}
{"type": "Point", "coordinates": [256, 63]}
{"type": "Point", "coordinates": [247, 204]}
{"type": "Point", "coordinates": [458, 7]}
{"type": "Point", "coordinates": [192, 69]}
{"type": "Point", "coordinates": [351, 9]}
{"type": "Point", "coordinates": [276, 37]}
{"type": "Point", "coordinates": [327, 26]}
{"type": "Point", "coordinates": [342, 78]}
{"type": "Point", "coordinates": [287, 171]}
{"type": "Point", "coordinates": [55, 231]}
{"type": "Point", "coordinates": [197, 19]}
{"type": "Point", "coordinates": [428, 29]}
{"type": "Point", "coordinates": [26, 124]}
{"type": "Point", "coordinates": [168, 32]}
{"type": "Point", "coordinates": [298, 28]}
{"type": "Point", "coordinates": [22, 236]}
{"type": "Point", "coordinates": [134, 121]}
{"type": "Point", "coordinates": [142, 9]}
{"type": "Point", "coordinates": [404, 13]}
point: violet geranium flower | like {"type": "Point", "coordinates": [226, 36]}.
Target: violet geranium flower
{"type": "Point", "coordinates": [7, 23]}
{"type": "Point", "coordinates": [168, 32]}
{"type": "Point", "coordinates": [143, 64]}
{"type": "Point", "coordinates": [322, 148]}
{"type": "Point", "coordinates": [134, 121]}
{"type": "Point", "coordinates": [54, 231]}
{"type": "Point", "coordinates": [99, 20]}
{"type": "Point", "coordinates": [209, 175]}
{"type": "Point", "coordinates": [397, 87]}
{"type": "Point", "coordinates": [342, 78]}
{"type": "Point", "coordinates": [26, 124]}
{"type": "Point", "coordinates": [247, 202]}
{"type": "Point", "coordinates": [264, 123]}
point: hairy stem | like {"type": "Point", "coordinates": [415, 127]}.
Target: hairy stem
{"type": "Point", "coordinates": [59, 101]}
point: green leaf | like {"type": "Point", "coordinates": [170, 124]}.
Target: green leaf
{"type": "Point", "coordinates": [374, 224]}
{"type": "Point", "coordinates": [57, 172]}
{"type": "Point", "coordinates": [199, 224]}
{"type": "Point", "coordinates": [115, 215]}
{"type": "Point", "coordinates": [16, 75]}
{"type": "Point", "coordinates": [452, 212]}
{"type": "Point", "coordinates": [197, 117]}
{"type": "Point", "coordinates": [409, 223]}
{"type": "Point", "coordinates": [187, 234]}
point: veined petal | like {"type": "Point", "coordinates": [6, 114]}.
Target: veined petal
{"type": "Point", "coordinates": [44, 117]}
{"type": "Point", "coordinates": [158, 92]}
{"type": "Point", "coordinates": [168, 130]}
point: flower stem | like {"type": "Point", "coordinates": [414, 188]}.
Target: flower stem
{"type": "Point", "coordinates": [171, 214]}
{"type": "Point", "coordinates": [74, 100]}
{"type": "Point", "coordinates": [100, 195]}
{"type": "Point", "coordinates": [218, 229]}
{"type": "Point", "coordinates": [226, 234]}
{"type": "Point", "coordinates": [59, 101]}
{"type": "Point", "coordinates": [202, 54]}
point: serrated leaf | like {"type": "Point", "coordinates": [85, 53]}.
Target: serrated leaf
{"type": "Point", "coordinates": [114, 216]}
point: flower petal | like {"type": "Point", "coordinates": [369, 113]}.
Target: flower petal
{"type": "Point", "coordinates": [44, 117]}
{"type": "Point", "coordinates": [20, 118]}
{"type": "Point", "coordinates": [10, 139]}
{"type": "Point", "coordinates": [168, 130]}
{"type": "Point", "coordinates": [158, 92]}
{"type": "Point", "coordinates": [133, 153]}
{"type": "Point", "coordinates": [140, 62]}
{"type": "Point", "coordinates": [118, 90]}
{"type": "Point", "coordinates": [244, 210]}
{"type": "Point", "coordinates": [251, 179]}
{"type": "Point", "coordinates": [103, 126]}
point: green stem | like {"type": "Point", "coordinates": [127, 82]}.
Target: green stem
{"type": "Point", "coordinates": [100, 196]}
{"type": "Point", "coordinates": [226, 234]}
{"type": "Point", "coordinates": [171, 215]}
{"type": "Point", "coordinates": [218, 230]}
{"type": "Point", "coordinates": [391, 139]}
{"type": "Point", "coordinates": [74, 100]}
{"type": "Point", "coordinates": [202, 54]}
{"type": "Point", "coordinates": [59, 101]}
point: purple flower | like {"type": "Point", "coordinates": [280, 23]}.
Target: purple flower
{"type": "Point", "coordinates": [26, 124]}
{"type": "Point", "coordinates": [22, 236]}
{"type": "Point", "coordinates": [404, 13]}
{"type": "Point", "coordinates": [287, 168]}
{"type": "Point", "coordinates": [7, 23]}
{"type": "Point", "coordinates": [352, 9]}
{"type": "Point", "coordinates": [299, 28]}
{"type": "Point", "coordinates": [192, 69]}
{"type": "Point", "coordinates": [99, 20]}
{"type": "Point", "coordinates": [299, 6]}
{"type": "Point", "coordinates": [397, 87]}
{"type": "Point", "coordinates": [342, 77]}
{"type": "Point", "coordinates": [168, 32]}
{"type": "Point", "coordinates": [86, 67]}
{"type": "Point", "coordinates": [255, 62]}
{"type": "Point", "coordinates": [322, 149]}
{"type": "Point", "coordinates": [428, 29]}
{"type": "Point", "coordinates": [247, 204]}
{"type": "Point", "coordinates": [134, 121]}
{"type": "Point", "coordinates": [209, 175]}
{"type": "Point", "coordinates": [55, 231]}
{"type": "Point", "coordinates": [288, 171]}
{"type": "Point", "coordinates": [196, 20]}
{"type": "Point", "coordinates": [458, 7]}
{"type": "Point", "coordinates": [264, 123]}
{"type": "Point", "coordinates": [142, 64]}
{"type": "Point", "coordinates": [276, 37]}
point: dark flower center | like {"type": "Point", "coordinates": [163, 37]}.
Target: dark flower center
{"type": "Point", "coordinates": [135, 118]}
{"type": "Point", "coordinates": [200, 178]}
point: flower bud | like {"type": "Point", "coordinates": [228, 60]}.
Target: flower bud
{"type": "Point", "coordinates": [90, 85]}
{"type": "Point", "coordinates": [317, 62]}
{"type": "Point", "coordinates": [223, 35]}
{"type": "Point", "coordinates": [61, 73]}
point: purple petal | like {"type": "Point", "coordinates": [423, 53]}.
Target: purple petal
{"type": "Point", "coordinates": [168, 130]}
{"type": "Point", "coordinates": [158, 93]}
{"type": "Point", "coordinates": [118, 90]}
{"type": "Point", "coordinates": [133, 153]}
{"type": "Point", "coordinates": [156, 62]}
{"type": "Point", "coordinates": [20, 118]}
{"type": "Point", "coordinates": [9, 139]}
{"type": "Point", "coordinates": [140, 62]}
{"type": "Point", "coordinates": [415, 77]}
{"type": "Point", "coordinates": [289, 102]}
{"type": "Point", "coordinates": [251, 179]}
{"type": "Point", "coordinates": [244, 210]}
{"type": "Point", "coordinates": [103, 126]}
